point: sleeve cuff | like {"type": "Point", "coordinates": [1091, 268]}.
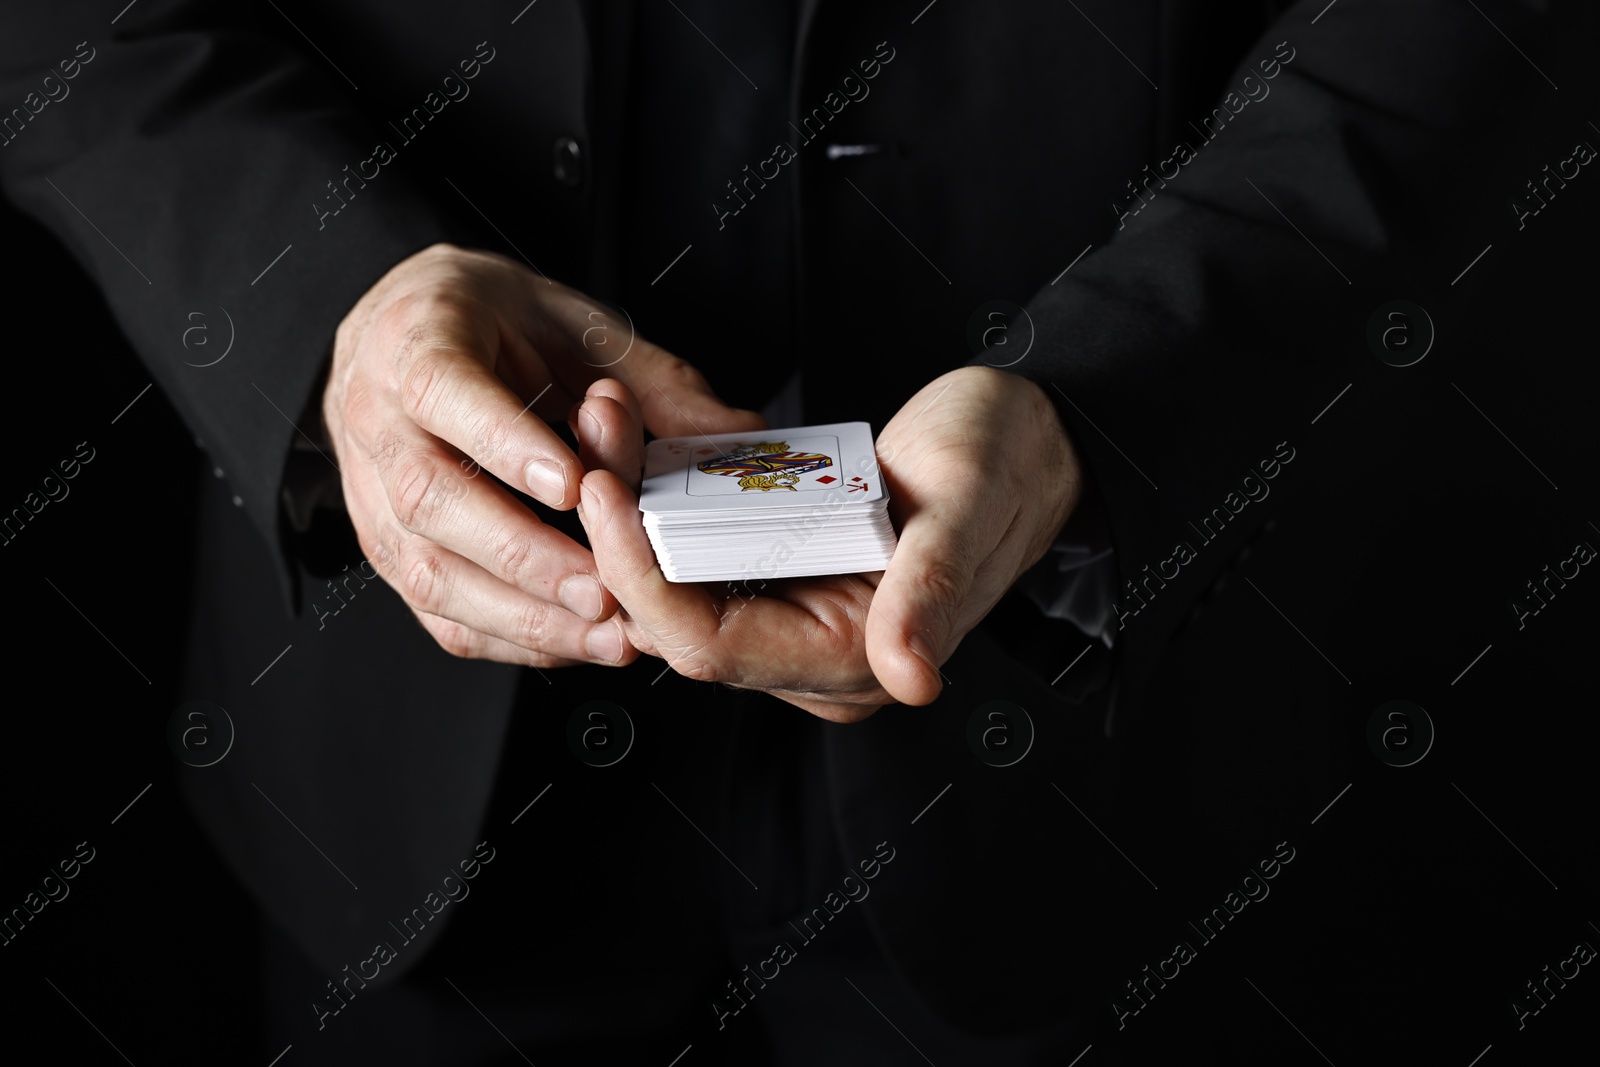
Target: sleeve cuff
{"type": "Point", "coordinates": [1076, 579]}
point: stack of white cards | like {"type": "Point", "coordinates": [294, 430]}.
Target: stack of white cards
{"type": "Point", "coordinates": [769, 504]}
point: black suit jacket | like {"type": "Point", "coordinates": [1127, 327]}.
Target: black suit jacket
{"type": "Point", "coordinates": [190, 169]}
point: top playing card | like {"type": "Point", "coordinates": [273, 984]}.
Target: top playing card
{"type": "Point", "coordinates": [808, 466]}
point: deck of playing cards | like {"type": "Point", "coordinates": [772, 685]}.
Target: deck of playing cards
{"type": "Point", "coordinates": [767, 504]}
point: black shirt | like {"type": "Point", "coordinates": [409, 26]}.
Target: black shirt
{"type": "Point", "coordinates": [709, 85]}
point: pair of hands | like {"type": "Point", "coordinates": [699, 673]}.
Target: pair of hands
{"type": "Point", "coordinates": [429, 371]}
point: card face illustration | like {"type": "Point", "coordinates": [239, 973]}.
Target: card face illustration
{"type": "Point", "coordinates": [780, 467]}
{"type": "Point", "coordinates": [753, 471]}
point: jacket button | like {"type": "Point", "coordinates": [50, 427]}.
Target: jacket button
{"type": "Point", "coordinates": [568, 162]}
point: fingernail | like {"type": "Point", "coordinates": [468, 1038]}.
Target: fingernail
{"type": "Point", "coordinates": [922, 645]}
{"type": "Point", "coordinates": [604, 643]}
{"type": "Point", "coordinates": [593, 432]}
{"type": "Point", "coordinates": [547, 480]}
{"type": "Point", "coordinates": [580, 594]}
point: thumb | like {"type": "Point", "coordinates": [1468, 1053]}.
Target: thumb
{"type": "Point", "coordinates": [676, 399]}
{"type": "Point", "coordinates": [911, 626]}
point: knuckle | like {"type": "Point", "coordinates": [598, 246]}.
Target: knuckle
{"type": "Point", "coordinates": [397, 319]}
{"type": "Point", "coordinates": [347, 333]}
{"type": "Point", "coordinates": [426, 375]}
{"type": "Point", "coordinates": [422, 582]}
{"type": "Point", "coordinates": [386, 551]}
{"type": "Point", "coordinates": [439, 250]}
{"type": "Point", "coordinates": [370, 544]}
{"type": "Point", "coordinates": [416, 492]}
{"type": "Point", "coordinates": [514, 558]}
{"type": "Point", "coordinates": [530, 626]}
{"type": "Point", "coordinates": [942, 581]}
{"type": "Point", "coordinates": [375, 552]}
{"type": "Point", "coordinates": [389, 448]}
{"type": "Point", "coordinates": [358, 406]}
{"type": "Point", "coordinates": [418, 303]}
{"type": "Point", "coordinates": [698, 666]}
{"type": "Point", "coordinates": [454, 638]}
{"type": "Point", "coordinates": [493, 439]}
{"type": "Point", "coordinates": [680, 373]}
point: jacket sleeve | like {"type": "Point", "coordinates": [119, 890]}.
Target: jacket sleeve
{"type": "Point", "coordinates": [1186, 354]}
{"type": "Point", "coordinates": [184, 154]}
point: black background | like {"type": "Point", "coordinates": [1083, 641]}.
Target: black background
{"type": "Point", "coordinates": [1403, 928]}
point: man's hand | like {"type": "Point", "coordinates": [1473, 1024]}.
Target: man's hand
{"type": "Point", "coordinates": [434, 372]}
{"type": "Point", "coordinates": [981, 477]}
